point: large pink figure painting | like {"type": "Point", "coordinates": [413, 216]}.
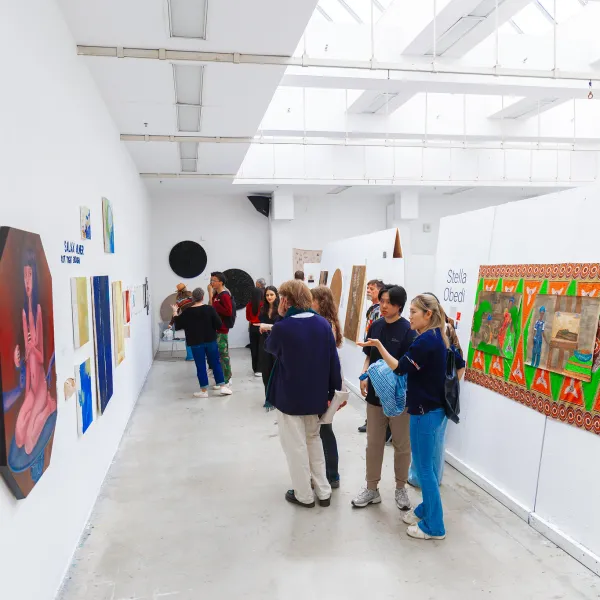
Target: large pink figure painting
{"type": "Point", "coordinates": [27, 371]}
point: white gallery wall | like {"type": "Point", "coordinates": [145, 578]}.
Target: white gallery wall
{"type": "Point", "coordinates": [545, 470]}
{"type": "Point", "coordinates": [231, 231]}
{"type": "Point", "coordinates": [59, 149]}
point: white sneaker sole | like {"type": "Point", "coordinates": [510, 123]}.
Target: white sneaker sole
{"type": "Point", "coordinates": [200, 395]}
{"type": "Point", "coordinates": [414, 531]}
{"type": "Point", "coordinates": [410, 518]}
{"type": "Point", "coordinates": [374, 501]}
{"type": "Point", "coordinates": [226, 391]}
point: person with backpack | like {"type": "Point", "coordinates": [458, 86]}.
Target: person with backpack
{"type": "Point", "coordinates": [224, 304]}
{"type": "Point", "coordinates": [425, 365]}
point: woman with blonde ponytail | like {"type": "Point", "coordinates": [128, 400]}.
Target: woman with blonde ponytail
{"type": "Point", "coordinates": [425, 367]}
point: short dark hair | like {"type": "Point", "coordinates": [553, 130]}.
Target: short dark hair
{"type": "Point", "coordinates": [397, 293]}
{"type": "Point", "coordinates": [220, 276]}
{"type": "Point", "coordinates": [299, 275]}
{"type": "Point", "coordinates": [376, 282]}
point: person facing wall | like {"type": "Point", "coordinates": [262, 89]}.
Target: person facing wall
{"type": "Point", "coordinates": [253, 309]}
{"type": "Point", "coordinates": [299, 275]}
{"type": "Point", "coordinates": [304, 380]}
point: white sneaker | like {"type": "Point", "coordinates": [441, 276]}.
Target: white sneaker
{"type": "Point", "coordinates": [217, 387]}
{"type": "Point", "coordinates": [366, 497]}
{"type": "Point", "coordinates": [402, 499]}
{"type": "Point", "coordinates": [414, 531]}
{"type": "Point", "coordinates": [226, 391]}
{"type": "Point", "coordinates": [410, 518]}
{"type": "Point", "coordinates": [257, 374]}
{"type": "Point", "coordinates": [200, 394]}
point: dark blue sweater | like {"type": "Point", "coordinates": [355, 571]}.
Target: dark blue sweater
{"type": "Point", "coordinates": [425, 367]}
{"type": "Point", "coordinates": [307, 372]}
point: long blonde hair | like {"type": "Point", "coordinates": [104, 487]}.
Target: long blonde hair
{"type": "Point", "coordinates": [429, 303]}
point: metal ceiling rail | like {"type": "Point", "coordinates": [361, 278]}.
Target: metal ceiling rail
{"type": "Point", "coordinates": [409, 66]}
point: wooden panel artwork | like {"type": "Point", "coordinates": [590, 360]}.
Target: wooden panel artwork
{"type": "Point", "coordinates": [336, 287]}
{"type": "Point", "coordinates": [356, 295]}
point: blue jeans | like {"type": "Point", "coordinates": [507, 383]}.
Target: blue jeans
{"type": "Point", "coordinates": [438, 458]}
{"type": "Point", "coordinates": [189, 355]}
{"type": "Point", "coordinates": [536, 353]}
{"type": "Point", "coordinates": [209, 352]}
{"type": "Point", "coordinates": [424, 431]}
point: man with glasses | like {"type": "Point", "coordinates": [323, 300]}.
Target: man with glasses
{"type": "Point", "coordinates": [221, 300]}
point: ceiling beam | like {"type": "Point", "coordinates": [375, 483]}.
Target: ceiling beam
{"type": "Point", "coordinates": [526, 108]}
{"type": "Point", "coordinates": [375, 69]}
{"type": "Point", "coordinates": [376, 103]}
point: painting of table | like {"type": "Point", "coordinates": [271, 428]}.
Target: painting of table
{"type": "Point", "coordinates": [356, 295]}
{"type": "Point", "coordinates": [102, 340]}
{"type": "Point", "coordinates": [28, 395]}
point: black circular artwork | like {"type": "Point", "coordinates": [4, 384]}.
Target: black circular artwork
{"type": "Point", "coordinates": [240, 284]}
{"type": "Point", "coordinates": [188, 259]}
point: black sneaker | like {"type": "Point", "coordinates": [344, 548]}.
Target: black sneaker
{"type": "Point", "coordinates": [363, 428]}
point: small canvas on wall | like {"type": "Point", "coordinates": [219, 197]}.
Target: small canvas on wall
{"type": "Point", "coordinates": [117, 294]}
{"type": "Point", "coordinates": [85, 403]}
{"type": "Point", "coordinates": [108, 226]}
{"type": "Point", "coordinates": [86, 227]}
{"type": "Point", "coordinates": [127, 306]}
{"type": "Point", "coordinates": [356, 296]}
{"type": "Point", "coordinates": [79, 305]}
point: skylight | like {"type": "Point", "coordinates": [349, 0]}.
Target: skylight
{"type": "Point", "coordinates": [538, 17]}
{"type": "Point", "coordinates": [351, 12]}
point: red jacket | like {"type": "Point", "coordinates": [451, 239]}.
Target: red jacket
{"type": "Point", "coordinates": [224, 308]}
{"type": "Point", "coordinates": [250, 316]}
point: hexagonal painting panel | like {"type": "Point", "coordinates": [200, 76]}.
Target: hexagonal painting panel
{"type": "Point", "coordinates": [27, 369]}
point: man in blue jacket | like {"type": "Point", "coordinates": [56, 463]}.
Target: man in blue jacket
{"type": "Point", "coordinates": [303, 382]}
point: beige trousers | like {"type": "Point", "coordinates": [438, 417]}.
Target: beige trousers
{"type": "Point", "coordinates": [377, 424]}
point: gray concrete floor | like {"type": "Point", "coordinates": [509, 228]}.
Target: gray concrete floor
{"type": "Point", "coordinates": [193, 509]}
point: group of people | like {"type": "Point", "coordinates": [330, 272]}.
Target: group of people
{"type": "Point", "coordinates": [307, 374]}
{"type": "Point", "coordinates": [295, 335]}
{"type": "Point", "coordinates": [206, 327]}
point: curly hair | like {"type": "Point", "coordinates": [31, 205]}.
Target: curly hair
{"type": "Point", "coordinates": [327, 309]}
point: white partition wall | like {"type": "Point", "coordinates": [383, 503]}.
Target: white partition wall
{"type": "Point", "coordinates": [546, 471]}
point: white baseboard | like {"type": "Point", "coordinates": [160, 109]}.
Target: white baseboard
{"type": "Point", "coordinates": [580, 553]}
{"type": "Point", "coordinates": [513, 505]}
{"type": "Point", "coordinates": [562, 540]}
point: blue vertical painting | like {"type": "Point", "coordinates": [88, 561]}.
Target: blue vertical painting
{"type": "Point", "coordinates": [102, 338]}
{"type": "Point", "coordinates": [85, 404]}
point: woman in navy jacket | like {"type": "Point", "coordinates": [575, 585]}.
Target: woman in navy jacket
{"type": "Point", "coordinates": [425, 367]}
{"type": "Point", "coordinates": [304, 379]}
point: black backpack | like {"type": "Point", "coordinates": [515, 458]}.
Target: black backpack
{"type": "Point", "coordinates": [451, 388]}
{"type": "Point", "coordinates": [229, 322]}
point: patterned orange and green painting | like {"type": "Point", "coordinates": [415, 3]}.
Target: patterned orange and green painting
{"type": "Point", "coordinates": [555, 367]}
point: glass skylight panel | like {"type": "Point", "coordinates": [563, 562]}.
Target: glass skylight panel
{"type": "Point", "coordinates": [565, 9]}
{"type": "Point", "coordinates": [337, 12]}
{"type": "Point", "coordinates": [532, 22]}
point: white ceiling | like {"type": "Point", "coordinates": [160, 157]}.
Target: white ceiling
{"type": "Point", "coordinates": [140, 94]}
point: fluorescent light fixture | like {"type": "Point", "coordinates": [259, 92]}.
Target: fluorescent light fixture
{"type": "Point", "coordinates": [188, 118]}
{"type": "Point", "coordinates": [455, 33]}
{"type": "Point", "coordinates": [189, 165]}
{"type": "Point", "coordinates": [486, 8]}
{"type": "Point", "coordinates": [187, 18]}
{"type": "Point", "coordinates": [459, 190]}
{"type": "Point", "coordinates": [188, 84]}
{"type": "Point", "coordinates": [339, 189]}
{"type": "Point", "coordinates": [188, 150]}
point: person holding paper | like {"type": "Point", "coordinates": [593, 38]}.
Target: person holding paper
{"type": "Point", "coordinates": [324, 304]}
{"type": "Point", "coordinates": [304, 380]}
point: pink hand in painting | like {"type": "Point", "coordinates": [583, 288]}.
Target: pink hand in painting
{"type": "Point", "coordinates": [38, 404]}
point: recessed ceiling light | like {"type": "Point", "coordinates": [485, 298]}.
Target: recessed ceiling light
{"type": "Point", "coordinates": [339, 189]}
{"type": "Point", "coordinates": [188, 118]}
{"type": "Point", "coordinates": [188, 150]}
{"type": "Point", "coordinates": [187, 18]}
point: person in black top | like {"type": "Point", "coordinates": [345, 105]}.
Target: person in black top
{"type": "Point", "coordinates": [200, 323]}
{"type": "Point", "coordinates": [268, 316]}
{"type": "Point", "coordinates": [396, 336]}
{"type": "Point", "coordinates": [425, 367]}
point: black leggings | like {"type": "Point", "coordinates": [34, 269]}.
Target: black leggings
{"type": "Point", "coordinates": [331, 453]}
{"type": "Point", "coordinates": [254, 347]}
{"type": "Point", "coordinates": [266, 361]}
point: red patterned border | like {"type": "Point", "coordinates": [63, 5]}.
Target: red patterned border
{"type": "Point", "coordinates": [579, 271]}
{"type": "Point", "coordinates": [554, 410]}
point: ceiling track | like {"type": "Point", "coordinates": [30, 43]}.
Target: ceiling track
{"type": "Point", "coordinates": [381, 143]}
{"type": "Point", "coordinates": [305, 61]}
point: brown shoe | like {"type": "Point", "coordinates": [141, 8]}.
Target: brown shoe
{"type": "Point", "coordinates": [290, 496]}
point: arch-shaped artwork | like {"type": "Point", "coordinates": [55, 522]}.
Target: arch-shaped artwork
{"type": "Point", "coordinates": [28, 374]}
{"type": "Point", "coordinates": [240, 284]}
{"type": "Point", "coordinates": [188, 259]}
{"type": "Point", "coordinates": [165, 308]}
{"type": "Point", "coordinates": [336, 287]}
